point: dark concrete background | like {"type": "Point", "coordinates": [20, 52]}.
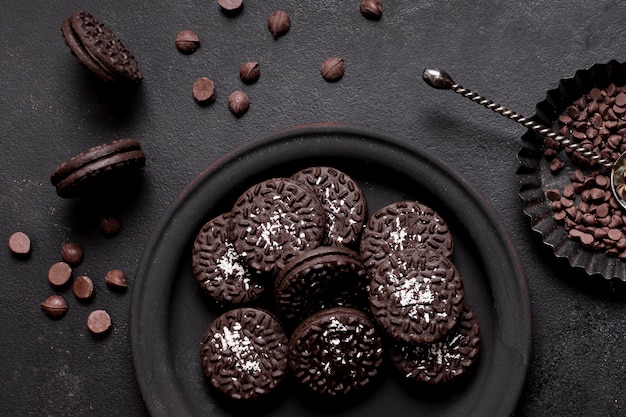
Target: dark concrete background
{"type": "Point", "coordinates": [52, 108]}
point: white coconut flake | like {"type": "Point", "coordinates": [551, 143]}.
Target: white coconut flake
{"type": "Point", "coordinates": [275, 226]}
{"type": "Point", "coordinates": [443, 352]}
{"type": "Point", "coordinates": [398, 236]}
{"type": "Point", "coordinates": [336, 335]}
{"type": "Point", "coordinates": [413, 292]}
{"type": "Point", "coordinates": [231, 266]}
{"type": "Point", "coordinates": [240, 347]}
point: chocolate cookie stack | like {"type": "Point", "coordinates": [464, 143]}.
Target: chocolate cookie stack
{"type": "Point", "coordinates": [344, 293]}
{"type": "Point", "coordinates": [416, 293]}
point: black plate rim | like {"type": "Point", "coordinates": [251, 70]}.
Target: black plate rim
{"type": "Point", "coordinates": [149, 309]}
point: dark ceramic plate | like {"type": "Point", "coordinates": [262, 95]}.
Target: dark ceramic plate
{"type": "Point", "coordinates": [535, 175]}
{"type": "Point", "coordinates": [169, 313]}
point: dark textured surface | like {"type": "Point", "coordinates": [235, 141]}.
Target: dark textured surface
{"type": "Point", "coordinates": [52, 108]}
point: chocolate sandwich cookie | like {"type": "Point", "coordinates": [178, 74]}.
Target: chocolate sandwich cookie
{"type": "Point", "coordinates": [275, 220]}
{"type": "Point", "coordinates": [99, 49]}
{"type": "Point", "coordinates": [218, 267]}
{"type": "Point", "coordinates": [343, 201]}
{"type": "Point", "coordinates": [77, 174]}
{"type": "Point", "coordinates": [244, 353]}
{"type": "Point", "coordinates": [404, 225]}
{"type": "Point", "coordinates": [335, 351]}
{"type": "Point", "coordinates": [444, 360]}
{"type": "Point", "coordinates": [324, 276]}
{"type": "Point", "coordinates": [416, 296]}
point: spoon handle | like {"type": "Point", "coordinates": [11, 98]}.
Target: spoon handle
{"type": "Point", "coordinates": [442, 80]}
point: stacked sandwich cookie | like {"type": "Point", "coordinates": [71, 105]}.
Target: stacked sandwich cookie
{"type": "Point", "coordinates": [417, 294]}
{"type": "Point", "coordinates": [86, 171]}
{"type": "Point", "coordinates": [98, 49]}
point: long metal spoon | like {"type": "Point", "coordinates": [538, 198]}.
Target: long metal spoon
{"type": "Point", "coordinates": [441, 80]}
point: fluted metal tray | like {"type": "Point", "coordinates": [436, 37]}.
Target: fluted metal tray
{"type": "Point", "coordinates": [536, 177]}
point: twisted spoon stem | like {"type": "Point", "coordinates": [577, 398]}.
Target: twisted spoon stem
{"type": "Point", "coordinates": [442, 80]}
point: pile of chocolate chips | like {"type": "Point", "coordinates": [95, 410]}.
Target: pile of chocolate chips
{"type": "Point", "coordinates": [595, 121]}
{"type": "Point", "coordinates": [590, 214]}
{"type": "Point", "coordinates": [586, 206]}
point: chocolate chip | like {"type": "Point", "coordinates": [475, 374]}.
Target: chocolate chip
{"type": "Point", "coordinates": [54, 306]}
{"type": "Point", "coordinates": [19, 244]}
{"type": "Point", "coordinates": [230, 5]}
{"type": "Point", "coordinates": [602, 181]}
{"type": "Point", "coordinates": [620, 99]}
{"type": "Point", "coordinates": [596, 121]}
{"type": "Point", "coordinates": [603, 110]}
{"type": "Point", "coordinates": [614, 204]}
{"type": "Point", "coordinates": [586, 239]}
{"type": "Point", "coordinates": [603, 210]}
{"type": "Point", "coordinates": [249, 72]}
{"type": "Point", "coordinates": [578, 130]}
{"type": "Point", "coordinates": [566, 202]}
{"type": "Point", "coordinates": [611, 89]}
{"type": "Point", "coordinates": [59, 274]}
{"type": "Point", "coordinates": [584, 207]}
{"type": "Point", "coordinates": [83, 287]}
{"type": "Point", "coordinates": [559, 215]}
{"type": "Point", "coordinates": [553, 194]}
{"type": "Point", "coordinates": [238, 103]}
{"type": "Point", "coordinates": [72, 253]}
{"type": "Point", "coordinates": [565, 119]}
{"type": "Point", "coordinates": [595, 94]}
{"type": "Point", "coordinates": [574, 233]}
{"type": "Point", "coordinates": [279, 23]}
{"type": "Point", "coordinates": [99, 322]}
{"type": "Point", "coordinates": [600, 232]}
{"type": "Point", "coordinates": [592, 134]}
{"type": "Point", "coordinates": [616, 221]}
{"type": "Point", "coordinates": [597, 194]}
{"type": "Point", "coordinates": [568, 191]}
{"type": "Point", "coordinates": [573, 212]}
{"type": "Point", "coordinates": [187, 41]}
{"type": "Point", "coordinates": [110, 225]}
{"type": "Point", "coordinates": [589, 219]}
{"type": "Point", "coordinates": [573, 112]}
{"type": "Point", "coordinates": [550, 153]}
{"type": "Point", "coordinates": [578, 176]}
{"type": "Point", "coordinates": [614, 141]}
{"type": "Point", "coordinates": [204, 90]}
{"type": "Point", "coordinates": [589, 183]}
{"type": "Point", "coordinates": [371, 9]}
{"type": "Point", "coordinates": [116, 279]}
{"type": "Point", "coordinates": [615, 234]}
{"type": "Point", "coordinates": [333, 69]}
